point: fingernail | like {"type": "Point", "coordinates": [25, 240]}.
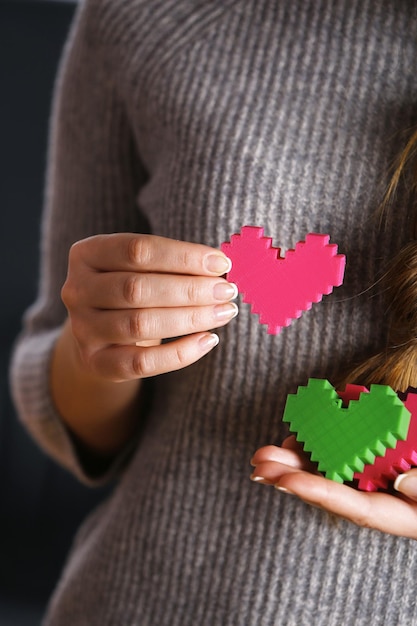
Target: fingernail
{"type": "Point", "coordinates": [256, 479]}
{"type": "Point", "coordinates": [207, 342]}
{"type": "Point", "coordinates": [283, 489]}
{"type": "Point", "coordinates": [225, 291]}
{"type": "Point", "coordinates": [217, 264]}
{"type": "Point", "coordinates": [225, 311]}
{"type": "Point", "coordinates": [407, 485]}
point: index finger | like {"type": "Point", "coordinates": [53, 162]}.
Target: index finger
{"type": "Point", "coordinates": [151, 253]}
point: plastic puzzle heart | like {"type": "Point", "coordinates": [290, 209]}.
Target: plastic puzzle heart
{"type": "Point", "coordinates": [279, 288]}
{"type": "Point", "coordinates": [342, 439]}
{"type": "Point", "coordinates": [397, 460]}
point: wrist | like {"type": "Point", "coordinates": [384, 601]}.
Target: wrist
{"type": "Point", "coordinates": [102, 414]}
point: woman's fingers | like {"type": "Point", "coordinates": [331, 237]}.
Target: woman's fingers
{"type": "Point", "coordinates": [290, 456]}
{"type": "Point", "coordinates": [278, 455]}
{"type": "Point", "coordinates": [134, 290]}
{"type": "Point", "coordinates": [125, 290]}
{"type": "Point", "coordinates": [270, 472]}
{"type": "Point", "coordinates": [121, 363]}
{"type": "Point", "coordinates": [137, 325]}
{"type": "Point", "coordinates": [381, 511]}
{"type": "Point", "coordinates": [289, 470]}
{"type": "Point", "coordinates": [135, 253]}
{"type": "Point", "coordinates": [271, 463]}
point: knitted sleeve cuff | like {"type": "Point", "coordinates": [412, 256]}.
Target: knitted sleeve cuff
{"type": "Point", "coordinates": [30, 388]}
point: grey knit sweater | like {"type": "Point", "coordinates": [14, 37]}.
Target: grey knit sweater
{"type": "Point", "coordinates": [197, 117]}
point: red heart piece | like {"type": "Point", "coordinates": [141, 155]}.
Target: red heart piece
{"type": "Point", "coordinates": [351, 392]}
{"type": "Point", "coordinates": [281, 288]}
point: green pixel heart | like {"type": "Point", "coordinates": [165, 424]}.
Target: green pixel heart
{"type": "Point", "coordinates": [343, 439]}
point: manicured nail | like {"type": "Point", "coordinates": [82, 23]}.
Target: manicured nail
{"type": "Point", "coordinates": [283, 489]}
{"type": "Point", "coordinates": [256, 479]}
{"type": "Point", "coordinates": [225, 291]}
{"type": "Point", "coordinates": [209, 341]}
{"type": "Point", "coordinates": [225, 311]}
{"type": "Point", "coordinates": [217, 264]}
{"type": "Point", "coordinates": [407, 485]}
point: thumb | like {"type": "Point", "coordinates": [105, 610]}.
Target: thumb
{"type": "Point", "coordinates": [407, 484]}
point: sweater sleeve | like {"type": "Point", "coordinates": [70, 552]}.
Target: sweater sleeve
{"type": "Point", "coordinates": [92, 182]}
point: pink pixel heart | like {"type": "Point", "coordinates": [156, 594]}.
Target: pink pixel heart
{"type": "Point", "coordinates": [281, 288]}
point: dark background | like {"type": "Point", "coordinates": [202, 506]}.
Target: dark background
{"type": "Point", "coordinates": [40, 504]}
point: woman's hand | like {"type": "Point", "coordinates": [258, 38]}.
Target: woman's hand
{"type": "Point", "coordinates": [125, 293]}
{"type": "Point", "coordinates": [289, 470]}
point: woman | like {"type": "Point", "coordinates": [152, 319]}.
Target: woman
{"type": "Point", "coordinates": [188, 119]}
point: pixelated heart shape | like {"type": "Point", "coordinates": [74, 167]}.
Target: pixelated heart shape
{"type": "Point", "coordinates": [396, 460]}
{"type": "Point", "coordinates": [342, 439]}
{"type": "Point", "coordinates": [279, 288]}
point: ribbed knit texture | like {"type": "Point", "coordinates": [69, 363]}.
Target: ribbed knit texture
{"type": "Point", "coordinates": [202, 116]}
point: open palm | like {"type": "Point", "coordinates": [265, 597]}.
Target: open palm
{"type": "Point", "coordinates": [289, 470]}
